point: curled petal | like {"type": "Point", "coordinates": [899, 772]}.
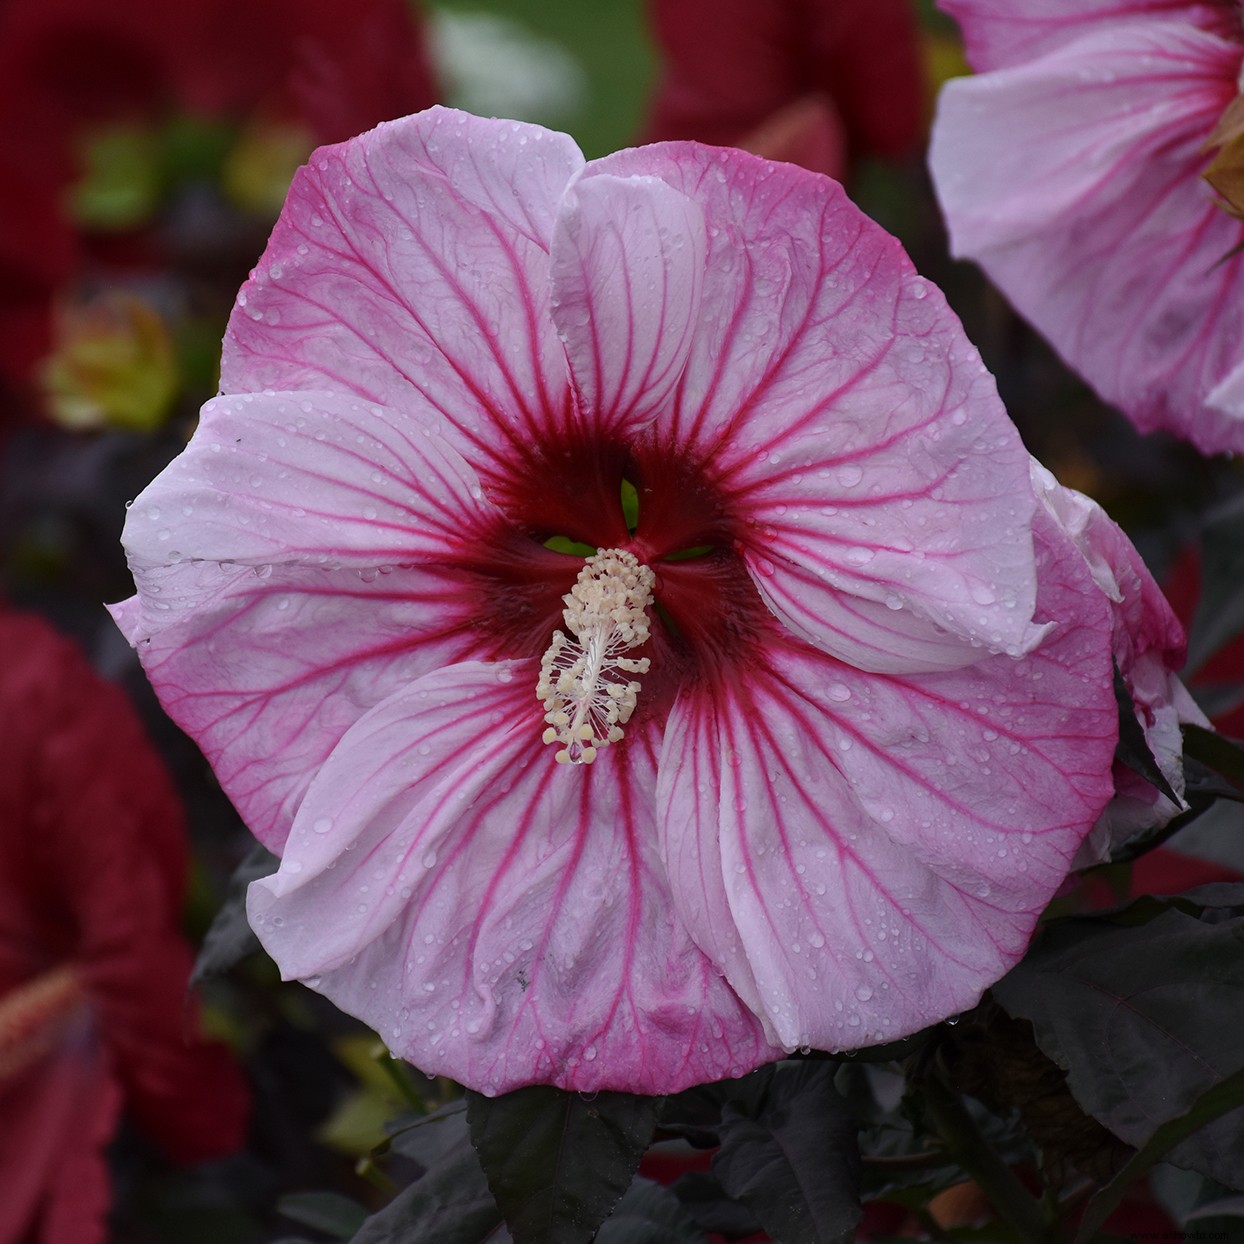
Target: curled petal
{"type": "Point", "coordinates": [845, 417]}
{"type": "Point", "coordinates": [887, 844]}
{"type": "Point", "coordinates": [410, 267]}
{"type": "Point", "coordinates": [628, 265]}
{"type": "Point", "coordinates": [1075, 181]}
{"type": "Point", "coordinates": [1147, 644]}
{"type": "Point", "coordinates": [498, 918]}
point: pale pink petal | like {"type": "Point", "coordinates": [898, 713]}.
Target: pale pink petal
{"type": "Point", "coordinates": [841, 412]}
{"type": "Point", "coordinates": [267, 668]}
{"type": "Point", "coordinates": [412, 264]}
{"type": "Point", "coordinates": [311, 479]}
{"type": "Point", "coordinates": [1006, 32]}
{"type": "Point", "coordinates": [628, 264]}
{"type": "Point", "coordinates": [887, 844]}
{"type": "Point", "coordinates": [1074, 181]}
{"type": "Point", "coordinates": [494, 916]}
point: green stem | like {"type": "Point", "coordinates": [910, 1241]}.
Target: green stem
{"type": "Point", "coordinates": [1014, 1204]}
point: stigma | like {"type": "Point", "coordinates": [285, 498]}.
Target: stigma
{"type": "Point", "coordinates": [585, 684]}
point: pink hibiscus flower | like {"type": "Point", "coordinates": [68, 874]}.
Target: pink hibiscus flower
{"type": "Point", "coordinates": [93, 971]}
{"type": "Point", "coordinates": [1070, 169]}
{"type": "Point", "coordinates": [819, 84]}
{"type": "Point", "coordinates": [668, 464]}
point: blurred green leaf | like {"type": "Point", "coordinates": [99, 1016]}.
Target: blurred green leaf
{"type": "Point", "coordinates": [121, 180]}
{"type": "Point", "coordinates": [330, 1212]}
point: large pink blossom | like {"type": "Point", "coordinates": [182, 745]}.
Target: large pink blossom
{"type": "Point", "coordinates": [679, 440]}
{"type": "Point", "coordinates": [1070, 169]}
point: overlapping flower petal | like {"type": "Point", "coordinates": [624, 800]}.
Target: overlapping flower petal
{"type": "Point", "coordinates": [998, 33]}
{"type": "Point", "coordinates": [832, 394]}
{"type": "Point", "coordinates": [827, 829]}
{"type": "Point", "coordinates": [500, 919]}
{"type": "Point", "coordinates": [392, 274]}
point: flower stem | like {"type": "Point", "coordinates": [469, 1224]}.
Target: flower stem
{"type": "Point", "coordinates": [1014, 1204]}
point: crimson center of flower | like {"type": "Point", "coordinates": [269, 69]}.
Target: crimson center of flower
{"type": "Point", "coordinates": [616, 564]}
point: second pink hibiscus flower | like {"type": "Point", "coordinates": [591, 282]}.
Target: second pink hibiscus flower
{"type": "Point", "coordinates": [1070, 168]}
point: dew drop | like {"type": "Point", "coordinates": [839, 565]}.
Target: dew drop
{"type": "Point", "coordinates": [322, 824]}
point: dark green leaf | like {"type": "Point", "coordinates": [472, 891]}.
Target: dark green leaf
{"type": "Point", "coordinates": [1145, 1019]}
{"type": "Point", "coordinates": [703, 1198]}
{"type": "Point", "coordinates": [558, 1162]}
{"type": "Point", "coordinates": [229, 938]}
{"type": "Point", "coordinates": [450, 1204]}
{"type": "Point", "coordinates": [649, 1214]}
{"type": "Point", "coordinates": [695, 1113]}
{"type": "Point", "coordinates": [330, 1212]}
{"type": "Point", "coordinates": [794, 1160]}
{"type": "Point", "coordinates": [427, 1139]}
{"type": "Point", "coordinates": [1216, 751]}
{"type": "Point", "coordinates": [1227, 1095]}
{"type": "Point", "coordinates": [1220, 612]}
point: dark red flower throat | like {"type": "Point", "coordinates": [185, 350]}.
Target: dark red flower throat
{"type": "Point", "coordinates": [582, 493]}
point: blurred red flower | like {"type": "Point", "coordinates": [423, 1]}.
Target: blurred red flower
{"type": "Point", "coordinates": [93, 973]}
{"type": "Point", "coordinates": [70, 69]}
{"type": "Point", "coordinates": [814, 82]}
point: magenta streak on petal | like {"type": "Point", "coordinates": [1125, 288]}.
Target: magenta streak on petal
{"type": "Point", "coordinates": [537, 870]}
{"type": "Point", "coordinates": [490, 452]}
{"type": "Point", "coordinates": [500, 355]}
{"type": "Point", "coordinates": [755, 721]}
{"type": "Point", "coordinates": [795, 339]}
{"type": "Point", "coordinates": [1206, 224]}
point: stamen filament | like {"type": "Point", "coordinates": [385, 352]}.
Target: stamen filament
{"type": "Point", "coordinates": [586, 704]}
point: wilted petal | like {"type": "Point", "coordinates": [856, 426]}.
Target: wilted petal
{"type": "Point", "coordinates": [1075, 181]}
{"type": "Point", "coordinates": [628, 264]}
{"type": "Point", "coordinates": [411, 264]}
{"type": "Point", "coordinates": [496, 917]}
{"type": "Point", "coordinates": [835, 400]}
{"type": "Point", "coordinates": [267, 668]}
{"type": "Point", "coordinates": [1147, 645]}
{"type": "Point", "coordinates": [887, 844]}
